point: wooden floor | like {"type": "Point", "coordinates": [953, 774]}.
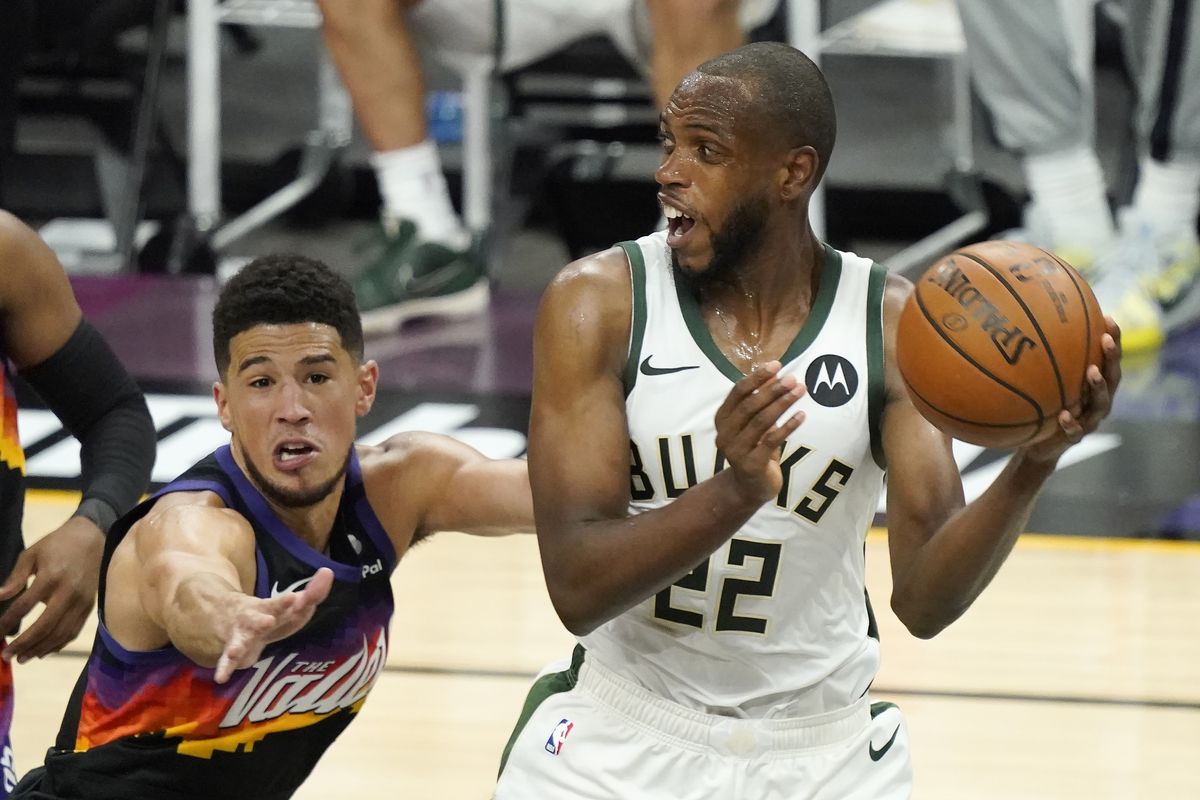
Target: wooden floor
{"type": "Point", "coordinates": [1076, 675]}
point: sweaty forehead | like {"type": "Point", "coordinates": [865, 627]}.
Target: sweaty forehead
{"type": "Point", "coordinates": [710, 99]}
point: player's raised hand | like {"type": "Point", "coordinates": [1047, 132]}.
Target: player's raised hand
{"type": "Point", "coordinates": [261, 621]}
{"type": "Point", "coordinates": [1102, 382]}
{"type": "Point", "coordinates": [747, 432]}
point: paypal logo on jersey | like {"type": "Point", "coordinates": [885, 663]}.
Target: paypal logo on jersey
{"type": "Point", "coordinates": [831, 380]}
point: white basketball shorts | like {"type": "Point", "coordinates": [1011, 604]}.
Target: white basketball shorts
{"type": "Point", "coordinates": [588, 734]}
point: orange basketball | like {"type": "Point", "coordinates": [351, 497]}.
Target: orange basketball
{"type": "Point", "coordinates": [995, 340]}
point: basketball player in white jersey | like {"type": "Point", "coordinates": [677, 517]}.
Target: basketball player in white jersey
{"type": "Point", "coordinates": [713, 568]}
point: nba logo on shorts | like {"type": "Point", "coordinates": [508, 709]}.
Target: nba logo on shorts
{"type": "Point", "coordinates": [555, 742]}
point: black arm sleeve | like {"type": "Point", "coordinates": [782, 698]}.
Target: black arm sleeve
{"type": "Point", "coordinates": [93, 396]}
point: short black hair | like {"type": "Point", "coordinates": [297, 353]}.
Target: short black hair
{"type": "Point", "coordinates": [283, 289]}
{"type": "Point", "coordinates": [789, 90]}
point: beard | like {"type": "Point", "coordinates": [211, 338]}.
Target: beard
{"type": "Point", "coordinates": [738, 239]}
{"type": "Point", "coordinates": [294, 498]}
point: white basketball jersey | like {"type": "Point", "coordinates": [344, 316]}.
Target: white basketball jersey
{"type": "Point", "coordinates": [776, 623]}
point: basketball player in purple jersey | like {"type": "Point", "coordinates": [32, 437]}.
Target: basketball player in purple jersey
{"type": "Point", "coordinates": [244, 608]}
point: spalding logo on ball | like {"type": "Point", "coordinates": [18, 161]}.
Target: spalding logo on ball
{"type": "Point", "coordinates": [1008, 337]}
{"type": "Point", "coordinates": [995, 341]}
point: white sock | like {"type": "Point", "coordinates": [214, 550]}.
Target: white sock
{"type": "Point", "coordinates": [1068, 189]}
{"type": "Point", "coordinates": [1168, 196]}
{"type": "Point", "coordinates": [413, 187]}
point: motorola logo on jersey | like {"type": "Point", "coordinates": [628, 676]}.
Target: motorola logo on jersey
{"type": "Point", "coordinates": [831, 380]}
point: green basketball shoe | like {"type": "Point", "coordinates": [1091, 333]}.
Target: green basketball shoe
{"type": "Point", "coordinates": [409, 278]}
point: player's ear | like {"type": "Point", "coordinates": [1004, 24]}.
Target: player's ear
{"type": "Point", "coordinates": [799, 173]}
{"type": "Point", "coordinates": [368, 380]}
{"type": "Point", "coordinates": [221, 396]}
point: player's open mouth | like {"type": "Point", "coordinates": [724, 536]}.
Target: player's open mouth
{"type": "Point", "coordinates": [679, 225]}
{"type": "Point", "coordinates": [290, 456]}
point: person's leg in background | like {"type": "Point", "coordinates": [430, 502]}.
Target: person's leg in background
{"type": "Point", "coordinates": [1031, 64]}
{"type": "Point", "coordinates": [427, 264]}
{"type": "Point", "coordinates": [686, 33]}
{"type": "Point", "coordinates": [1162, 45]}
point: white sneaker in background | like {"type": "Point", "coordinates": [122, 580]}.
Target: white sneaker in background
{"type": "Point", "coordinates": [1173, 273]}
{"type": "Point", "coordinates": [1121, 282]}
{"type": "Point", "coordinates": [1175, 283]}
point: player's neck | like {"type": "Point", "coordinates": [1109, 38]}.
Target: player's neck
{"type": "Point", "coordinates": [312, 523]}
{"type": "Point", "coordinates": [754, 317]}
{"type": "Point", "coordinates": [778, 279]}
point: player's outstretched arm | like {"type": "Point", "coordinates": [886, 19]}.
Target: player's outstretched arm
{"type": "Point", "coordinates": [194, 568]}
{"type": "Point", "coordinates": [449, 485]}
{"type": "Point", "coordinates": [944, 553]}
{"type": "Point", "coordinates": [597, 558]}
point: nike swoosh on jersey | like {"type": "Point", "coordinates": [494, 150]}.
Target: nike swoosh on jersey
{"type": "Point", "coordinates": [646, 369]}
{"type": "Point", "coordinates": [878, 754]}
{"type": "Point", "coordinates": [295, 587]}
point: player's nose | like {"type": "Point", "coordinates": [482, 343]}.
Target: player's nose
{"type": "Point", "coordinates": [672, 170]}
{"type": "Point", "coordinates": [292, 407]}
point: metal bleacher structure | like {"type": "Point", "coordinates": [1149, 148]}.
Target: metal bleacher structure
{"type": "Point", "coordinates": [926, 29]}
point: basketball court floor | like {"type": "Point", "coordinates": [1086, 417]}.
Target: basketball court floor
{"type": "Point", "coordinates": [1076, 675]}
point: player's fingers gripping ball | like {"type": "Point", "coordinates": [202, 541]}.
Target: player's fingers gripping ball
{"type": "Point", "coordinates": [995, 341]}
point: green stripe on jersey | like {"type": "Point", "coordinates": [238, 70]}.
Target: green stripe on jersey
{"type": "Point", "coordinates": [876, 384]}
{"type": "Point", "coordinates": [637, 275]}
